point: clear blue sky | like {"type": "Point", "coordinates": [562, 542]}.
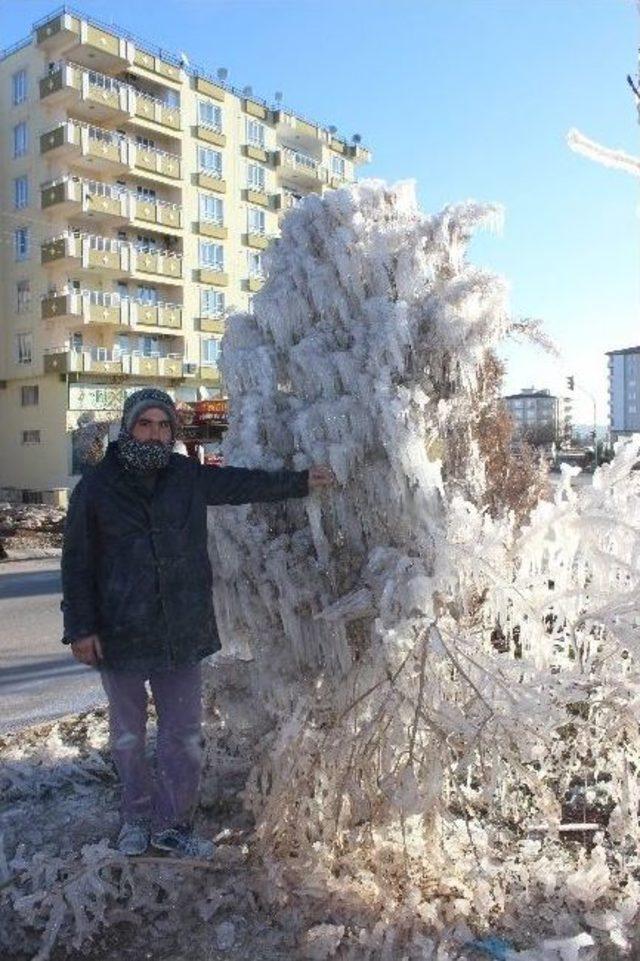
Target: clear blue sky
{"type": "Point", "coordinates": [473, 99]}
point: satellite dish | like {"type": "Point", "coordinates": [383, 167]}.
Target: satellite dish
{"type": "Point", "coordinates": [222, 73]}
{"type": "Point", "coordinates": [333, 130]}
{"type": "Point", "coordinates": [357, 138]}
{"type": "Point", "coordinates": [247, 91]}
{"type": "Point", "coordinates": [278, 96]}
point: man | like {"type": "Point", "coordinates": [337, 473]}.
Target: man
{"type": "Point", "coordinates": [137, 603]}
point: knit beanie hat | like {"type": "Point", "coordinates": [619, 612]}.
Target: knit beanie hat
{"type": "Point", "coordinates": [145, 455]}
{"type": "Point", "coordinates": [141, 400]}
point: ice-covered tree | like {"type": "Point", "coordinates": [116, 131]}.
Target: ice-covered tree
{"type": "Point", "coordinates": [414, 683]}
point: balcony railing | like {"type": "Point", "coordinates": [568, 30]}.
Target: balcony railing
{"type": "Point", "coordinates": [124, 97]}
{"type": "Point", "coordinates": [112, 360]}
{"type": "Point", "coordinates": [214, 172]}
{"type": "Point", "coordinates": [116, 201]}
{"type": "Point", "coordinates": [109, 308]}
{"type": "Point", "coordinates": [124, 150]}
{"type": "Point", "coordinates": [110, 254]}
{"type": "Point", "coordinates": [296, 159]}
{"type": "Point", "coordinates": [106, 298]}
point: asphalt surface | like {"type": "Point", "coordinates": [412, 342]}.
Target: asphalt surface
{"type": "Point", "coordinates": [39, 679]}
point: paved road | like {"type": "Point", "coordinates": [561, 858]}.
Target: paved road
{"type": "Point", "coordinates": [38, 677]}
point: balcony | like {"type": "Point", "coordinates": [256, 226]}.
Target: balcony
{"type": "Point", "coordinates": [255, 281]}
{"type": "Point", "coordinates": [74, 196]}
{"type": "Point", "coordinates": [301, 169]}
{"type": "Point", "coordinates": [84, 306]}
{"type": "Point", "coordinates": [209, 372]}
{"type": "Point", "coordinates": [212, 325]}
{"type": "Point", "coordinates": [256, 195]}
{"type": "Point", "coordinates": [108, 151]}
{"type": "Point", "coordinates": [109, 308]}
{"type": "Point", "coordinates": [96, 96]}
{"type": "Point", "coordinates": [105, 45]}
{"type": "Point", "coordinates": [212, 228]}
{"type": "Point", "coordinates": [104, 360]}
{"type": "Point", "coordinates": [209, 134]}
{"type": "Point", "coordinates": [93, 360]}
{"type": "Point", "coordinates": [259, 241]}
{"type": "Point", "coordinates": [213, 274]}
{"type": "Point", "coordinates": [211, 179]}
{"type": "Point", "coordinates": [86, 251]}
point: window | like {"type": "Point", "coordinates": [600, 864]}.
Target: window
{"type": "Point", "coordinates": [30, 437]}
{"type": "Point", "coordinates": [337, 166]}
{"type": "Point", "coordinates": [256, 177]}
{"type": "Point", "coordinates": [172, 98]}
{"type": "Point", "coordinates": [148, 295]}
{"type": "Point", "coordinates": [211, 209]}
{"type": "Point", "coordinates": [256, 221]}
{"type": "Point", "coordinates": [20, 139]}
{"type": "Point", "coordinates": [146, 242]}
{"type": "Point", "coordinates": [254, 263]}
{"type": "Point", "coordinates": [211, 303]}
{"type": "Point", "coordinates": [209, 115]}
{"type": "Point", "coordinates": [145, 193]}
{"type": "Point", "coordinates": [24, 348]}
{"type": "Point", "coordinates": [149, 346]}
{"type": "Point", "coordinates": [20, 192]}
{"type": "Point", "coordinates": [210, 350]}
{"type": "Point", "coordinates": [145, 142]}
{"type": "Point", "coordinates": [30, 396]}
{"type": "Point", "coordinates": [21, 243]}
{"type": "Point", "coordinates": [210, 161]}
{"type": "Point", "coordinates": [255, 133]}
{"type": "Point", "coordinates": [19, 87]}
{"type": "Point", "coordinates": [23, 296]}
{"type": "Point", "coordinates": [211, 255]}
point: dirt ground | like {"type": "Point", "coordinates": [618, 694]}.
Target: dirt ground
{"type": "Point", "coordinates": [30, 528]}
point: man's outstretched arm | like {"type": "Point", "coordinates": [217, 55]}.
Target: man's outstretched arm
{"type": "Point", "coordinates": [240, 485]}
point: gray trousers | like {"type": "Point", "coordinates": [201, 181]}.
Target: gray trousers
{"type": "Point", "coordinates": [171, 798]}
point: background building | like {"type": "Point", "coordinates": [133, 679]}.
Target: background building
{"type": "Point", "coordinates": [624, 396]}
{"type": "Point", "coordinates": [540, 417]}
{"type": "Point", "coordinates": [138, 200]}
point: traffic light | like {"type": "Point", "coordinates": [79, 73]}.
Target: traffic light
{"type": "Point", "coordinates": [570, 382]}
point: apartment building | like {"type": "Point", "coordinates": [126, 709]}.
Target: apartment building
{"type": "Point", "coordinates": [540, 417]}
{"type": "Point", "coordinates": [624, 392]}
{"type": "Point", "coordinates": [137, 198]}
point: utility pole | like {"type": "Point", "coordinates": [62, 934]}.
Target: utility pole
{"type": "Point", "coordinates": [571, 385]}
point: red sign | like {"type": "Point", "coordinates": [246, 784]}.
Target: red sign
{"type": "Point", "coordinates": [211, 411]}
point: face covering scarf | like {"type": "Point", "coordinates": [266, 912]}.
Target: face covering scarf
{"type": "Point", "coordinates": [143, 455]}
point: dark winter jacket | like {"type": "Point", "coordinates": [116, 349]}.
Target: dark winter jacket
{"type": "Point", "coordinates": [135, 568]}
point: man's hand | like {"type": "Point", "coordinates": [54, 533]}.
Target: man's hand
{"type": "Point", "coordinates": [321, 476]}
{"type": "Point", "coordinates": [87, 650]}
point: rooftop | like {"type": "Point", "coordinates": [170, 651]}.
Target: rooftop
{"type": "Point", "coordinates": [623, 350]}
{"type": "Point", "coordinates": [193, 70]}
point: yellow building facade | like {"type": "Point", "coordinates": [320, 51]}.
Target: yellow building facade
{"type": "Point", "coordinates": [138, 197]}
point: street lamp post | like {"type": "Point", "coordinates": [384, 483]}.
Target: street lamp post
{"type": "Point", "coordinates": [571, 384]}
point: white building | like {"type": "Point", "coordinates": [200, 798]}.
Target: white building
{"type": "Point", "coordinates": [624, 401]}
{"type": "Point", "coordinates": [540, 417]}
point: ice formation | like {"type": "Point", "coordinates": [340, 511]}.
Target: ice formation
{"type": "Point", "coordinates": [607, 156]}
{"type": "Point", "coordinates": [416, 686]}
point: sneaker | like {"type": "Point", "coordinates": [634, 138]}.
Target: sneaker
{"type": "Point", "coordinates": [182, 842]}
{"type": "Point", "coordinates": [133, 838]}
